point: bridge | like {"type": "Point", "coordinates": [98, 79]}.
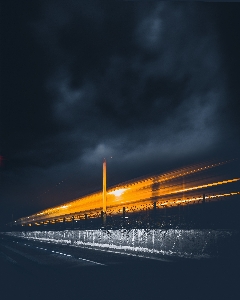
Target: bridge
{"type": "Point", "coordinates": [159, 200]}
{"type": "Point", "coordinates": [42, 244]}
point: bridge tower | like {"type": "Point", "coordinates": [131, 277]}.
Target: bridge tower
{"type": "Point", "coordinates": [104, 191]}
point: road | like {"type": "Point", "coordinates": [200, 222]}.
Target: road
{"type": "Point", "coordinates": [41, 270]}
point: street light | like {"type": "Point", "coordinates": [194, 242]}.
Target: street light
{"type": "Point", "coordinates": [104, 191]}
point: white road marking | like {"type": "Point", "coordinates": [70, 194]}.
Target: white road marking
{"type": "Point", "coordinates": [129, 254]}
{"type": "Point", "coordinates": [8, 258]}
{"type": "Point", "coordinates": [91, 261]}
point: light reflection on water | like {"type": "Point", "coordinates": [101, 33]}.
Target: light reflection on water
{"type": "Point", "coordinates": [155, 243]}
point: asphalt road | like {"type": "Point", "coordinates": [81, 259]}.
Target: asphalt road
{"type": "Point", "coordinates": [41, 270]}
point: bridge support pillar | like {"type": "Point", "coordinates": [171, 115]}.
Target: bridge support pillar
{"type": "Point", "coordinates": [124, 212]}
{"type": "Point", "coordinates": [204, 213]}
{"type": "Point", "coordinates": [203, 201]}
{"type": "Point", "coordinates": [154, 212]}
{"type": "Point", "coordinates": [85, 223]}
{"type": "Point", "coordinates": [104, 218]}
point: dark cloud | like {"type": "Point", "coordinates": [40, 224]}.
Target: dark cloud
{"type": "Point", "coordinates": [153, 84]}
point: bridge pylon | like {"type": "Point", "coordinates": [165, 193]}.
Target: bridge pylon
{"type": "Point", "coordinates": [104, 192]}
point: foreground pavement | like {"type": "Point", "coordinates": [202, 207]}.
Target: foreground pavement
{"type": "Point", "coordinates": [41, 270]}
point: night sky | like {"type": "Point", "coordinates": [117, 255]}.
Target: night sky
{"type": "Point", "coordinates": [154, 85]}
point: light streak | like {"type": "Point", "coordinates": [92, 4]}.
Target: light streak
{"type": "Point", "coordinates": [117, 193]}
{"type": "Point", "coordinates": [138, 195]}
{"type": "Point", "coordinates": [64, 206]}
{"type": "Point", "coordinates": [204, 186]}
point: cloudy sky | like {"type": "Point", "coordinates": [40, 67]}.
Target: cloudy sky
{"type": "Point", "coordinates": [154, 85]}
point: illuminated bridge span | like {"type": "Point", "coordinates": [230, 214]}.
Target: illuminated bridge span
{"type": "Point", "coordinates": [188, 185]}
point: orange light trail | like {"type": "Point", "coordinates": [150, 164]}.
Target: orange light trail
{"type": "Point", "coordinates": [203, 186]}
{"type": "Point", "coordinates": [139, 195]}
